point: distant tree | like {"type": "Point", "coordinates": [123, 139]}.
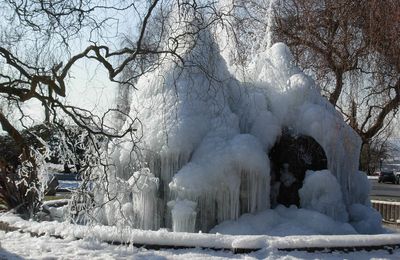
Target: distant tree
{"type": "Point", "coordinates": [352, 49]}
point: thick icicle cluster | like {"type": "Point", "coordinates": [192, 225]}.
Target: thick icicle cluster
{"type": "Point", "coordinates": [206, 138]}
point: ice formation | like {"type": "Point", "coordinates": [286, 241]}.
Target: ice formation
{"type": "Point", "coordinates": [283, 221]}
{"type": "Point", "coordinates": [364, 219]}
{"type": "Point", "coordinates": [321, 192]}
{"type": "Point", "coordinates": [183, 215]}
{"type": "Point", "coordinates": [206, 139]}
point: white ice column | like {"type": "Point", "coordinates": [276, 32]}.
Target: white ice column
{"type": "Point", "coordinates": [183, 215]}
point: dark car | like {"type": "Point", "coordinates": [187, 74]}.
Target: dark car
{"type": "Point", "coordinates": [387, 177]}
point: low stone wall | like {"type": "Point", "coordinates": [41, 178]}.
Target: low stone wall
{"type": "Point", "coordinates": [390, 211]}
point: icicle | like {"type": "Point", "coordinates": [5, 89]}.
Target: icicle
{"type": "Point", "coordinates": [164, 168]}
{"type": "Point", "coordinates": [144, 199]}
{"type": "Point", "coordinates": [253, 192]}
{"type": "Point", "coordinates": [183, 215]}
{"type": "Point", "coordinates": [228, 202]}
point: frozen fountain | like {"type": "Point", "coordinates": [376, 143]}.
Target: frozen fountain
{"type": "Point", "coordinates": [207, 138]}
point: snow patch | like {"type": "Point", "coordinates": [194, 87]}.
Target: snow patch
{"type": "Point", "coordinates": [321, 192]}
{"type": "Point", "coordinates": [283, 221]}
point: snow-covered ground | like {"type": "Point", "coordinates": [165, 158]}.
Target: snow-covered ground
{"type": "Point", "coordinates": [207, 132]}
{"type": "Point", "coordinates": [15, 245]}
{"type": "Point", "coordinates": [84, 242]}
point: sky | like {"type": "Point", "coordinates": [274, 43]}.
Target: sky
{"type": "Point", "coordinates": [88, 86]}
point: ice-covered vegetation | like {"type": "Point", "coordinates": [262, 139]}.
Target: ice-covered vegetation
{"type": "Point", "coordinates": [207, 132]}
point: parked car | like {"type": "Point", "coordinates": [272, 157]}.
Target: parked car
{"type": "Point", "coordinates": [388, 176]}
{"type": "Point", "coordinates": [397, 174]}
{"type": "Point", "coordinates": [377, 173]}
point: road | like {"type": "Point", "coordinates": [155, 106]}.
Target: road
{"type": "Point", "coordinates": [384, 189]}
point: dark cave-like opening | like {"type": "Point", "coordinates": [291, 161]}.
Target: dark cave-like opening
{"type": "Point", "coordinates": [290, 158]}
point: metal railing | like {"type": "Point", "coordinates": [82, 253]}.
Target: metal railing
{"type": "Point", "coordinates": [390, 211]}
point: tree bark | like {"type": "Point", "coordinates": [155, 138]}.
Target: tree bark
{"type": "Point", "coordinates": [28, 196]}
{"type": "Point", "coordinates": [333, 98]}
{"type": "Point", "coordinates": [389, 107]}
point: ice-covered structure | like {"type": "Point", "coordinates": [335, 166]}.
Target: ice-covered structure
{"type": "Point", "coordinates": [207, 138]}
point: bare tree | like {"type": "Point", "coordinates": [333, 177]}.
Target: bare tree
{"type": "Point", "coordinates": [36, 57]}
{"type": "Point", "coordinates": [351, 48]}
{"type": "Point", "coordinates": [42, 41]}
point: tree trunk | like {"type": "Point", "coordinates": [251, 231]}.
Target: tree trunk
{"type": "Point", "coordinates": [26, 184]}
{"type": "Point", "coordinates": [338, 88]}
{"type": "Point", "coordinates": [365, 158]}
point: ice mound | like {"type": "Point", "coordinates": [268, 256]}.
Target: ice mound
{"type": "Point", "coordinates": [366, 220]}
{"type": "Point", "coordinates": [283, 221]}
{"type": "Point", "coordinates": [321, 192]}
{"type": "Point", "coordinates": [206, 138]}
